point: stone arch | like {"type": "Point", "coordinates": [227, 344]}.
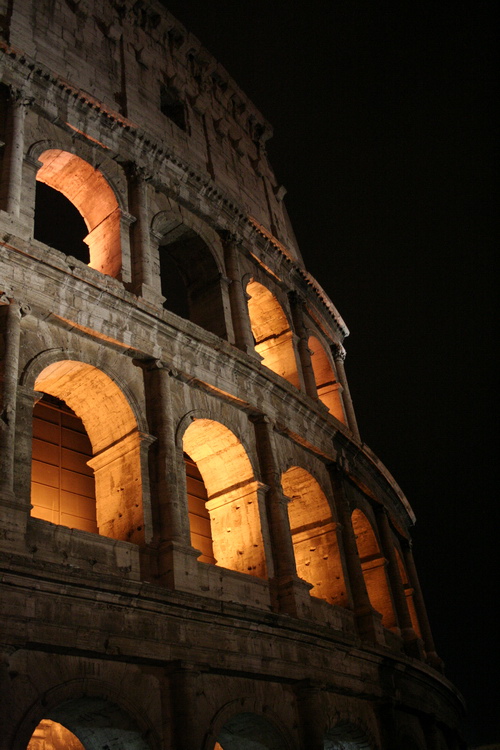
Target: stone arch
{"type": "Point", "coordinates": [347, 736]}
{"type": "Point", "coordinates": [118, 446]}
{"type": "Point", "coordinates": [233, 496]}
{"type": "Point", "coordinates": [374, 568]}
{"type": "Point", "coordinates": [329, 389]}
{"type": "Point", "coordinates": [272, 332]}
{"type": "Point", "coordinates": [94, 720]}
{"type": "Point", "coordinates": [408, 590]}
{"type": "Point", "coordinates": [314, 536]}
{"type": "Point", "coordinates": [190, 271]}
{"type": "Point", "coordinates": [244, 724]}
{"type": "Point", "coordinates": [86, 187]}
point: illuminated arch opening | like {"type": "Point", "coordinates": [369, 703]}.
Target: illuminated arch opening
{"type": "Point", "coordinates": [191, 279]}
{"type": "Point", "coordinates": [247, 731]}
{"type": "Point", "coordinates": [329, 390]}
{"type": "Point", "coordinates": [374, 568]}
{"type": "Point", "coordinates": [89, 724]}
{"type": "Point", "coordinates": [90, 193]}
{"type": "Point", "coordinates": [408, 593]}
{"type": "Point", "coordinates": [115, 440]}
{"type": "Point", "coordinates": [314, 537]}
{"type": "Point", "coordinates": [232, 504]}
{"type": "Point", "coordinates": [272, 333]}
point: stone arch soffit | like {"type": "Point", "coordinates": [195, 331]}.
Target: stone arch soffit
{"type": "Point", "coordinates": [123, 399]}
{"type": "Point", "coordinates": [318, 347]}
{"type": "Point", "coordinates": [299, 483]}
{"type": "Point", "coordinates": [108, 168]}
{"type": "Point", "coordinates": [249, 708]}
{"type": "Point", "coordinates": [166, 224]}
{"type": "Point", "coordinates": [366, 537]}
{"type": "Point", "coordinates": [267, 315]}
{"type": "Point", "coordinates": [219, 454]}
{"type": "Point", "coordinates": [346, 735]}
{"type": "Point", "coordinates": [83, 185]}
{"type": "Point", "coordinates": [89, 709]}
{"type": "Point", "coordinates": [214, 416]}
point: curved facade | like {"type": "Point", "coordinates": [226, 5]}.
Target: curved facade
{"type": "Point", "coordinates": [198, 550]}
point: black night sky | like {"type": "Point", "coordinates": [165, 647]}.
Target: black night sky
{"type": "Point", "coordinates": [384, 139]}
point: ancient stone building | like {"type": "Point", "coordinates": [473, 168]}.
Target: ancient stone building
{"type": "Point", "coordinates": [198, 551]}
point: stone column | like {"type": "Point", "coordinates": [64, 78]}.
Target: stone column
{"type": "Point", "coordinates": [369, 622]}
{"type": "Point", "coordinates": [243, 337]}
{"type": "Point", "coordinates": [339, 357]}
{"type": "Point", "coordinates": [311, 719]}
{"type": "Point", "coordinates": [143, 282]}
{"type": "Point", "coordinates": [169, 492]}
{"type": "Point", "coordinates": [297, 310]}
{"type": "Point", "coordinates": [184, 687]}
{"type": "Point", "coordinates": [290, 592]}
{"type": "Point", "coordinates": [12, 312]}
{"type": "Point", "coordinates": [413, 644]}
{"type": "Point", "coordinates": [432, 657]}
{"type": "Point", "coordinates": [13, 159]}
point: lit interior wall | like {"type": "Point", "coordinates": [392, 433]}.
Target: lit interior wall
{"type": "Point", "coordinates": [374, 568]}
{"type": "Point", "coordinates": [199, 517]}
{"type": "Point", "coordinates": [408, 593]}
{"type": "Point", "coordinates": [272, 333]}
{"type": "Point", "coordinates": [91, 194]}
{"type": "Point", "coordinates": [62, 483]}
{"type": "Point", "coordinates": [329, 390]}
{"type": "Point", "coordinates": [49, 735]}
{"type": "Point", "coordinates": [314, 537]}
{"type": "Point", "coordinates": [115, 439]}
{"type": "Point", "coordinates": [233, 503]}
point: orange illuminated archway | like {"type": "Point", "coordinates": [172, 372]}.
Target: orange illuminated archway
{"type": "Point", "coordinates": [314, 537]}
{"type": "Point", "coordinates": [329, 390]}
{"type": "Point", "coordinates": [408, 593]}
{"type": "Point", "coordinates": [374, 572]}
{"type": "Point", "coordinates": [91, 194]}
{"type": "Point", "coordinates": [272, 333]}
{"type": "Point", "coordinates": [116, 446]}
{"type": "Point", "coordinates": [233, 503]}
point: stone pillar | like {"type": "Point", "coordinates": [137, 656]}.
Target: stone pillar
{"type": "Point", "coordinates": [13, 159]}
{"type": "Point", "coordinates": [184, 687]}
{"type": "Point", "coordinates": [169, 493]}
{"type": "Point", "coordinates": [12, 313]}
{"type": "Point", "coordinates": [297, 310]}
{"type": "Point", "coordinates": [339, 357]}
{"type": "Point", "coordinates": [243, 337]}
{"type": "Point", "coordinates": [369, 622]}
{"type": "Point", "coordinates": [143, 282]}
{"type": "Point", "coordinates": [311, 719]}
{"type": "Point", "coordinates": [430, 650]}
{"type": "Point", "coordinates": [290, 592]}
{"type": "Point", "coordinates": [412, 643]}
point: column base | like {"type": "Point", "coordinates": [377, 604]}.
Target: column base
{"type": "Point", "coordinates": [369, 625]}
{"type": "Point", "coordinates": [178, 567]}
{"type": "Point", "coordinates": [290, 595]}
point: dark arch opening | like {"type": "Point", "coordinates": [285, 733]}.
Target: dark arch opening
{"type": "Point", "coordinates": [191, 281]}
{"type": "Point", "coordinates": [247, 731]}
{"type": "Point", "coordinates": [96, 723]}
{"type": "Point", "coordinates": [59, 224]}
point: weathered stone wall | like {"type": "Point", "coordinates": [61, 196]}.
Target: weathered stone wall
{"type": "Point", "coordinates": [310, 629]}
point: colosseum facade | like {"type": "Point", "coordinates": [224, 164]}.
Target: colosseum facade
{"type": "Point", "coordinates": [198, 550]}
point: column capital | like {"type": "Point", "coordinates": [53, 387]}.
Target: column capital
{"type": "Point", "coordinates": [20, 308]}
{"type": "Point", "coordinates": [19, 97]}
{"type": "Point", "coordinates": [229, 238]}
{"type": "Point", "coordinates": [338, 352]}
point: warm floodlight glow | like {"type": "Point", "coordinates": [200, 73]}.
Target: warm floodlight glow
{"type": "Point", "coordinates": [374, 572]}
{"type": "Point", "coordinates": [314, 536]}
{"type": "Point", "coordinates": [233, 501]}
{"type": "Point", "coordinates": [327, 385]}
{"type": "Point", "coordinates": [272, 333]}
{"type": "Point", "coordinates": [91, 194]}
{"type": "Point", "coordinates": [112, 430]}
{"type": "Point", "coordinates": [49, 735]}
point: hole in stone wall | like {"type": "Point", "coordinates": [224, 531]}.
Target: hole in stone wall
{"type": "Point", "coordinates": [59, 224]}
{"type": "Point", "coordinates": [172, 106]}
